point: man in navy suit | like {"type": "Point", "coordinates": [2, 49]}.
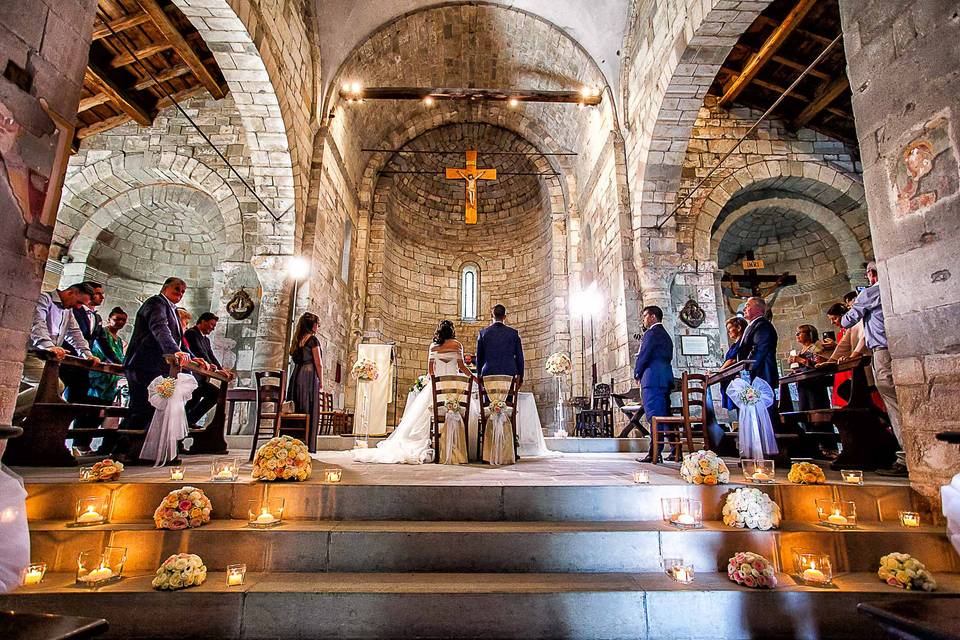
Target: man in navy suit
{"type": "Point", "coordinates": [156, 333]}
{"type": "Point", "coordinates": [653, 370]}
{"type": "Point", "coordinates": [76, 381]}
{"type": "Point", "coordinates": [499, 351]}
{"type": "Point", "coordinates": [206, 395]}
{"type": "Point", "coordinates": [759, 343]}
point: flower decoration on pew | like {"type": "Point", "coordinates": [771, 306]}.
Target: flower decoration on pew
{"type": "Point", "coordinates": [106, 470]}
{"type": "Point", "coordinates": [704, 467]}
{"type": "Point", "coordinates": [451, 403]}
{"type": "Point", "coordinates": [498, 406]}
{"type": "Point", "coordinates": [164, 387]}
{"type": "Point", "coordinates": [184, 508]}
{"type": "Point", "coordinates": [180, 571]}
{"type": "Point", "coordinates": [905, 572]}
{"type": "Point", "coordinates": [748, 508]}
{"type": "Point", "coordinates": [559, 364]}
{"type": "Point", "coordinates": [282, 458]}
{"type": "Point", "coordinates": [365, 370]}
{"type": "Point", "coordinates": [806, 473]}
{"type": "Point", "coordinates": [751, 570]}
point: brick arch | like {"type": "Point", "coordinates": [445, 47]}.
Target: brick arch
{"type": "Point", "coordinates": [266, 105]}
{"type": "Point", "coordinates": [818, 182]}
{"type": "Point", "coordinates": [88, 193]}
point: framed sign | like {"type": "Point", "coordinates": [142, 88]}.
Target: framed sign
{"type": "Point", "coordinates": [752, 264]}
{"type": "Point", "coordinates": [694, 346]}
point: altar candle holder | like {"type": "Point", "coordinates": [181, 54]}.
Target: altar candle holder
{"type": "Point", "coordinates": [682, 513]}
{"type": "Point", "coordinates": [33, 574]}
{"type": "Point", "coordinates": [757, 471]}
{"type": "Point", "coordinates": [263, 514]}
{"type": "Point", "coordinates": [97, 568]}
{"type": "Point", "coordinates": [176, 473]}
{"type": "Point", "coordinates": [235, 574]}
{"type": "Point", "coordinates": [851, 476]}
{"type": "Point", "coordinates": [641, 477]}
{"type": "Point", "coordinates": [332, 474]}
{"type": "Point", "coordinates": [812, 568]}
{"type": "Point", "coordinates": [91, 511]}
{"type": "Point", "coordinates": [909, 518]}
{"type": "Point", "coordinates": [225, 470]}
{"type": "Point", "coordinates": [836, 514]}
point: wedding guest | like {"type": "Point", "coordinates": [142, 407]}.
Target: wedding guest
{"type": "Point", "coordinates": [108, 346]}
{"type": "Point", "coordinates": [653, 370]}
{"type": "Point", "coordinates": [306, 381]}
{"type": "Point", "coordinates": [868, 308]}
{"type": "Point", "coordinates": [206, 394]}
{"type": "Point", "coordinates": [849, 345]}
{"type": "Point", "coordinates": [76, 381]}
{"type": "Point", "coordinates": [812, 393]}
{"type": "Point", "coordinates": [735, 328]}
{"type": "Point", "coordinates": [759, 344]}
{"type": "Point", "coordinates": [54, 325]}
{"type": "Point", "coordinates": [848, 298]}
{"type": "Point", "coordinates": [13, 523]}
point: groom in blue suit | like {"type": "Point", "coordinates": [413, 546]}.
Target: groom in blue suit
{"type": "Point", "coordinates": [653, 370]}
{"type": "Point", "coordinates": [499, 351]}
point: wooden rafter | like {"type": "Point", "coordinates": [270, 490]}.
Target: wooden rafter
{"type": "Point", "coordinates": [120, 24]}
{"type": "Point", "coordinates": [181, 46]}
{"type": "Point", "coordinates": [118, 96]}
{"type": "Point", "coordinates": [110, 123]}
{"type": "Point", "coordinates": [127, 57]}
{"type": "Point", "coordinates": [822, 100]}
{"type": "Point", "coordinates": [767, 50]}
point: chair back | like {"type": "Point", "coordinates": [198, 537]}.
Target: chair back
{"type": "Point", "coordinates": [271, 389]}
{"type": "Point", "coordinates": [694, 390]}
{"type": "Point", "coordinates": [494, 389]}
{"type": "Point", "coordinates": [457, 386]}
{"type": "Point", "coordinates": [601, 396]}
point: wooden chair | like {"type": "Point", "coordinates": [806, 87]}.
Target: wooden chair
{"type": "Point", "coordinates": [271, 390]}
{"type": "Point", "coordinates": [326, 414]}
{"type": "Point", "coordinates": [443, 386]}
{"type": "Point", "coordinates": [597, 421]}
{"type": "Point", "coordinates": [498, 386]}
{"type": "Point", "coordinates": [693, 391]}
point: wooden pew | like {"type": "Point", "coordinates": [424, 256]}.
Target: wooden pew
{"type": "Point", "coordinates": [209, 439]}
{"type": "Point", "coordinates": [714, 432]}
{"type": "Point", "coordinates": [866, 440]}
{"type": "Point", "coordinates": [47, 425]}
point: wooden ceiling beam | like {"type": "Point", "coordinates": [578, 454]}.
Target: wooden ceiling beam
{"type": "Point", "coordinates": [169, 74]}
{"type": "Point", "coordinates": [116, 121]}
{"type": "Point", "coordinates": [93, 101]}
{"type": "Point", "coordinates": [799, 66]}
{"type": "Point", "coordinates": [822, 100]}
{"type": "Point", "coordinates": [127, 58]}
{"type": "Point", "coordinates": [119, 96]}
{"type": "Point", "coordinates": [183, 48]}
{"type": "Point", "coordinates": [120, 24]}
{"type": "Point", "coordinates": [767, 50]}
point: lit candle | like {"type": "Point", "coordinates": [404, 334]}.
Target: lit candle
{"type": "Point", "coordinates": [265, 517]}
{"type": "Point", "coordinates": [234, 579]}
{"type": "Point", "coordinates": [176, 474]}
{"type": "Point", "coordinates": [33, 575]}
{"type": "Point", "coordinates": [98, 575]}
{"type": "Point", "coordinates": [836, 518]}
{"type": "Point", "coordinates": [683, 518]}
{"type": "Point", "coordinates": [910, 519]}
{"type": "Point", "coordinates": [332, 475]}
{"type": "Point", "coordinates": [641, 477]}
{"type": "Point", "coordinates": [852, 477]}
{"type": "Point", "coordinates": [89, 516]}
{"type": "Point", "coordinates": [680, 574]}
{"type": "Point", "coordinates": [813, 574]}
{"type": "Point", "coordinates": [226, 473]}
{"type": "Point", "coordinates": [760, 476]}
{"type": "Point", "coordinates": [360, 444]}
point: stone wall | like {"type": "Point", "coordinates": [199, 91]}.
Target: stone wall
{"type": "Point", "coordinates": [47, 41]}
{"type": "Point", "coordinates": [902, 67]}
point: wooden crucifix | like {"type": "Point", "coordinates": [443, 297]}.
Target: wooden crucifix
{"type": "Point", "coordinates": [750, 278]}
{"type": "Point", "coordinates": [471, 174]}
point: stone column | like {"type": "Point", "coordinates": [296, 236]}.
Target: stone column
{"type": "Point", "coordinates": [44, 45]}
{"type": "Point", "coordinates": [272, 322]}
{"type": "Point", "coordinates": [902, 60]}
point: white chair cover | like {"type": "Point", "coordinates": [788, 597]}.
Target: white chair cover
{"type": "Point", "coordinates": [498, 436]}
{"type": "Point", "coordinates": [169, 424]}
{"type": "Point", "coordinates": [453, 446]}
{"type": "Point", "coordinates": [757, 439]}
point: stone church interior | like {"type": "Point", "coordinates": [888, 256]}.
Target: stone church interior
{"type": "Point", "coordinates": [486, 318]}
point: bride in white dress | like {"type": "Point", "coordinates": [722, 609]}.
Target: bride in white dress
{"type": "Point", "coordinates": [410, 441]}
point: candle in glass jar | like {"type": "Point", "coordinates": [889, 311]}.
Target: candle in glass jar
{"type": "Point", "coordinates": [176, 474]}
{"type": "Point", "coordinates": [265, 517]}
{"type": "Point", "coordinates": [910, 519]}
{"type": "Point", "coordinates": [33, 575]}
{"type": "Point", "coordinates": [641, 477]}
{"type": "Point", "coordinates": [813, 574]}
{"type": "Point", "coordinates": [836, 518]}
{"type": "Point", "coordinates": [683, 518]}
{"type": "Point", "coordinates": [234, 579]}
{"type": "Point", "coordinates": [89, 516]}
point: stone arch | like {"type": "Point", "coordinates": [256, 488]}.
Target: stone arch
{"type": "Point", "coordinates": [814, 181]}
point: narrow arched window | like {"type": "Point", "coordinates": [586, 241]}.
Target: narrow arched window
{"type": "Point", "coordinates": [469, 291]}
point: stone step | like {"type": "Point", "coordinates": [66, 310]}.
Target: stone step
{"type": "Point", "coordinates": [370, 546]}
{"type": "Point", "coordinates": [136, 500]}
{"type": "Point", "coordinates": [451, 605]}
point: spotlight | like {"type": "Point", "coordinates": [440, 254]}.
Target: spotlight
{"type": "Point", "coordinates": [585, 92]}
{"type": "Point", "coordinates": [513, 102]}
{"type": "Point", "coordinates": [346, 87]}
{"type": "Point", "coordinates": [298, 267]}
{"type": "Point", "coordinates": [428, 100]}
{"type": "Point", "coordinates": [355, 87]}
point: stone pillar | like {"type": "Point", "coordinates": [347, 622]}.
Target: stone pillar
{"type": "Point", "coordinates": [272, 325]}
{"type": "Point", "coordinates": [43, 48]}
{"type": "Point", "coordinates": [902, 60]}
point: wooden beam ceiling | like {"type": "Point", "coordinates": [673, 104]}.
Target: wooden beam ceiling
{"type": "Point", "coordinates": [111, 88]}
{"type": "Point", "coordinates": [769, 48]}
{"type": "Point", "coordinates": [822, 100]}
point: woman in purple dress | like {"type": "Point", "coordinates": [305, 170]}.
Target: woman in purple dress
{"type": "Point", "coordinates": [306, 381]}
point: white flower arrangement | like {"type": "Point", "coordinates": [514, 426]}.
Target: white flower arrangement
{"type": "Point", "coordinates": [365, 369]}
{"type": "Point", "coordinates": [748, 396]}
{"type": "Point", "coordinates": [452, 403]}
{"type": "Point", "coordinates": [559, 364]}
{"type": "Point", "coordinates": [498, 406]}
{"type": "Point", "coordinates": [704, 467]}
{"type": "Point", "coordinates": [282, 458]}
{"type": "Point", "coordinates": [905, 572]}
{"type": "Point", "coordinates": [748, 508]}
{"type": "Point", "coordinates": [751, 570]}
{"type": "Point", "coordinates": [179, 572]}
{"type": "Point", "coordinates": [419, 384]}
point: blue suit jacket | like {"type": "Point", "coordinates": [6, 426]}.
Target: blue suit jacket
{"type": "Point", "coordinates": [653, 368]}
{"type": "Point", "coordinates": [156, 333]}
{"type": "Point", "coordinates": [759, 343]}
{"type": "Point", "coordinates": [499, 351]}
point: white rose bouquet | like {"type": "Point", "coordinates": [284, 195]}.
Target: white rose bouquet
{"type": "Point", "coordinates": [559, 364]}
{"type": "Point", "coordinates": [704, 467]}
{"type": "Point", "coordinates": [748, 508]}
{"type": "Point", "coordinates": [365, 369]}
{"type": "Point", "coordinates": [905, 572]}
{"type": "Point", "coordinates": [179, 572]}
{"type": "Point", "coordinates": [282, 458]}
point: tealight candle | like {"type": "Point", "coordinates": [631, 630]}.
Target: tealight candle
{"type": "Point", "coordinates": [92, 510]}
{"type": "Point", "coordinates": [97, 567]}
{"type": "Point", "coordinates": [852, 476]}
{"type": "Point", "coordinates": [641, 477]}
{"type": "Point", "coordinates": [814, 575]}
{"type": "Point", "coordinates": [225, 469]}
{"type": "Point", "coordinates": [812, 568]}
{"type": "Point", "coordinates": [33, 574]}
{"type": "Point", "coordinates": [267, 513]}
{"type": "Point", "coordinates": [98, 575]}
{"type": "Point", "coordinates": [332, 475]}
{"type": "Point", "coordinates": [265, 517]}
{"type": "Point", "coordinates": [235, 574]}
{"type": "Point", "coordinates": [757, 471]}
{"type": "Point", "coordinates": [836, 518]}
{"type": "Point", "coordinates": [682, 574]}
{"type": "Point", "coordinates": [360, 444]}
{"type": "Point", "coordinates": [89, 516]}
{"type": "Point", "coordinates": [683, 518]}
{"type": "Point", "coordinates": [840, 514]}
{"type": "Point", "coordinates": [176, 473]}
{"type": "Point", "coordinates": [683, 513]}
{"type": "Point", "coordinates": [909, 519]}
{"type": "Point", "coordinates": [559, 433]}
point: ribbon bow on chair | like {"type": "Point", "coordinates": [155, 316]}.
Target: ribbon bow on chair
{"type": "Point", "coordinates": [498, 423]}
{"type": "Point", "coordinates": [756, 430]}
{"type": "Point", "coordinates": [452, 427]}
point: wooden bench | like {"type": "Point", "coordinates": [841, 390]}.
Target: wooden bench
{"type": "Point", "coordinates": [47, 425]}
{"type": "Point", "coordinates": [866, 441]}
{"type": "Point", "coordinates": [211, 438]}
